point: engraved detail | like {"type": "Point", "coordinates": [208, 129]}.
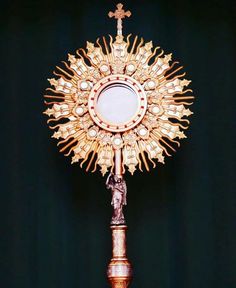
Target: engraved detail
{"type": "Point", "coordinates": [119, 270]}
{"type": "Point", "coordinates": [119, 14]}
{"type": "Point", "coordinates": [163, 103]}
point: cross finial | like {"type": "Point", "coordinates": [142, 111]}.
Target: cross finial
{"type": "Point", "coordinates": [119, 14]}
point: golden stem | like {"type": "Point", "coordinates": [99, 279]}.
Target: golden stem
{"type": "Point", "coordinates": [180, 98]}
{"type": "Point", "coordinates": [154, 137]}
{"type": "Point", "coordinates": [106, 46]}
{"type": "Point", "coordinates": [54, 97]}
{"type": "Point", "coordinates": [92, 157]}
{"type": "Point", "coordinates": [173, 72]}
{"type": "Point", "coordinates": [68, 145]}
{"type": "Point", "coordinates": [172, 65]}
{"type": "Point", "coordinates": [132, 49]}
{"type": "Point", "coordinates": [143, 157]}
{"type": "Point", "coordinates": [161, 139]}
{"type": "Point", "coordinates": [118, 162]}
{"type": "Point", "coordinates": [63, 71]}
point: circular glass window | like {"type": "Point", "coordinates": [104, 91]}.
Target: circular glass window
{"type": "Point", "coordinates": [117, 104]}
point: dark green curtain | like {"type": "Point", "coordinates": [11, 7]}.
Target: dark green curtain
{"type": "Point", "coordinates": [55, 217]}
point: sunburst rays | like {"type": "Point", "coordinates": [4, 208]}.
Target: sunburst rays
{"type": "Point", "coordinates": [158, 133]}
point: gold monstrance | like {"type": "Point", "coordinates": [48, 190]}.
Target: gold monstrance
{"type": "Point", "coordinates": [118, 106]}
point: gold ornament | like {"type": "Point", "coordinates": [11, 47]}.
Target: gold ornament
{"type": "Point", "coordinates": [119, 105]}
{"type": "Point", "coordinates": [159, 121]}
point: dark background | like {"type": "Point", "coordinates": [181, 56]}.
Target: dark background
{"type": "Point", "coordinates": [181, 216]}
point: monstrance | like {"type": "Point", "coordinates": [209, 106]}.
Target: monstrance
{"type": "Point", "coordinates": [121, 105]}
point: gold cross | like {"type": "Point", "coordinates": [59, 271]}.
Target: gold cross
{"type": "Point", "coordinates": [119, 14]}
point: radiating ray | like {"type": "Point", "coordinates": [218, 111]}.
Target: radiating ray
{"type": "Point", "coordinates": [63, 71]}
{"type": "Point", "coordinates": [74, 136]}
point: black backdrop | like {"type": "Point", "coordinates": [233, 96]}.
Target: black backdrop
{"type": "Point", "coordinates": [55, 217]}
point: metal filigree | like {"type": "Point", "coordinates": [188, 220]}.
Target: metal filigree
{"type": "Point", "coordinates": [139, 123]}
{"type": "Point", "coordinates": [159, 124]}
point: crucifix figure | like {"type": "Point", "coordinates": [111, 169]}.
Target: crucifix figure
{"type": "Point", "coordinates": [119, 14]}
